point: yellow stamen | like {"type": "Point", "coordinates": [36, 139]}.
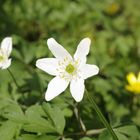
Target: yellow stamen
{"type": "Point", "coordinates": [70, 68]}
{"type": "Point", "coordinates": [1, 58]}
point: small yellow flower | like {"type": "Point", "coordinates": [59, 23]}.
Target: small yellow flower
{"type": "Point", "coordinates": [134, 83]}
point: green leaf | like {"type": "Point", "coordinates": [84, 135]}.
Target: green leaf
{"type": "Point", "coordinates": [14, 112]}
{"type": "Point", "coordinates": [121, 136]}
{"type": "Point", "coordinates": [105, 136]}
{"type": "Point", "coordinates": [68, 139]}
{"type": "Point", "coordinates": [56, 117]}
{"type": "Point", "coordinates": [35, 137]}
{"type": "Point", "coordinates": [8, 130]}
{"type": "Point", "coordinates": [87, 138]}
{"type": "Point", "coordinates": [123, 133]}
{"type": "Point", "coordinates": [67, 112]}
{"type": "Point", "coordinates": [129, 130]}
{"type": "Point", "coordinates": [37, 121]}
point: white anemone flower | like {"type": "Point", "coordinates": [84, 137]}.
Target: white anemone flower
{"type": "Point", "coordinates": [67, 69]}
{"type": "Point", "coordinates": [5, 51]}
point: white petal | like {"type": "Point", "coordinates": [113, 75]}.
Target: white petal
{"type": "Point", "coordinates": [56, 86]}
{"type": "Point", "coordinates": [6, 46]}
{"type": "Point", "coordinates": [82, 49]}
{"type": "Point", "coordinates": [77, 88]}
{"type": "Point", "coordinates": [6, 64]}
{"type": "Point", "coordinates": [88, 70]}
{"type": "Point", "coordinates": [57, 50]}
{"type": "Point", "coordinates": [48, 65]}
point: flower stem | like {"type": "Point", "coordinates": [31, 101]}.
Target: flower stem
{"type": "Point", "coordinates": [79, 119]}
{"type": "Point", "coordinates": [13, 78]}
{"type": "Point", "coordinates": [101, 116]}
{"type": "Point", "coordinates": [87, 133]}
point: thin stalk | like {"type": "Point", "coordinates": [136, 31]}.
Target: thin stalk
{"type": "Point", "coordinates": [79, 119]}
{"type": "Point", "coordinates": [101, 116]}
{"type": "Point", "coordinates": [87, 133]}
{"type": "Point", "coordinates": [13, 78]}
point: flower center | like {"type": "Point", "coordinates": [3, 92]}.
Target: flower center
{"type": "Point", "coordinates": [1, 58]}
{"type": "Point", "coordinates": [70, 68]}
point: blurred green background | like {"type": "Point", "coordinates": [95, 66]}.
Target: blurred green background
{"type": "Point", "coordinates": [114, 28]}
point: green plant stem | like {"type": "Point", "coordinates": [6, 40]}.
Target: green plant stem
{"type": "Point", "coordinates": [13, 78]}
{"type": "Point", "coordinates": [87, 133]}
{"type": "Point", "coordinates": [79, 119]}
{"type": "Point", "coordinates": [101, 116]}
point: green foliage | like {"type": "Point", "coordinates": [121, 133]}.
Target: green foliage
{"type": "Point", "coordinates": [113, 27]}
{"type": "Point", "coordinates": [37, 119]}
{"type": "Point", "coordinates": [87, 138]}
{"type": "Point", "coordinates": [8, 130]}
{"type": "Point", "coordinates": [57, 120]}
{"type": "Point", "coordinates": [124, 133]}
{"type": "Point", "coordinates": [35, 137]}
{"type": "Point", "coordinates": [36, 123]}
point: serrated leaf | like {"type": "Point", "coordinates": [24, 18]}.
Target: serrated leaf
{"type": "Point", "coordinates": [8, 130]}
{"type": "Point", "coordinates": [13, 111]}
{"type": "Point", "coordinates": [129, 130]}
{"type": "Point", "coordinates": [36, 121]}
{"type": "Point", "coordinates": [56, 117]}
{"type": "Point", "coordinates": [121, 136]}
{"type": "Point", "coordinates": [121, 133]}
